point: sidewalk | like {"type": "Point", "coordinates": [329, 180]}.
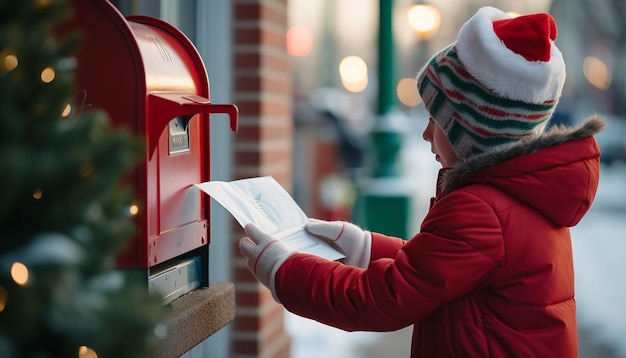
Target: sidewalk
{"type": "Point", "coordinates": [313, 340]}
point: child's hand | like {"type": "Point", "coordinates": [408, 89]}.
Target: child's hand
{"type": "Point", "coordinates": [265, 255]}
{"type": "Point", "coordinates": [353, 242]}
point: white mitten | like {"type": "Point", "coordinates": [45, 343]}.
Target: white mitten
{"type": "Point", "coordinates": [353, 242]}
{"type": "Point", "coordinates": [265, 255]}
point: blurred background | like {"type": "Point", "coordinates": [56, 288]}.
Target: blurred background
{"type": "Point", "coordinates": [336, 52]}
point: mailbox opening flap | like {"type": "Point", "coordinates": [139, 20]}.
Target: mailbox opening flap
{"type": "Point", "coordinates": [163, 107]}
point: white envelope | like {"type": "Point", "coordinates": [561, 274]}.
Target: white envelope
{"type": "Point", "coordinates": [266, 203]}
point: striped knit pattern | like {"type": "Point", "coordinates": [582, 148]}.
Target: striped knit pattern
{"type": "Point", "coordinates": [474, 119]}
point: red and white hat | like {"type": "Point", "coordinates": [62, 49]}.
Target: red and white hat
{"type": "Point", "coordinates": [499, 82]}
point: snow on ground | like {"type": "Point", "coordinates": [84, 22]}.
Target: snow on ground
{"type": "Point", "coordinates": [600, 260]}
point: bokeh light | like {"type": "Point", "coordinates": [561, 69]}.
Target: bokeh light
{"type": "Point", "coordinates": [38, 193]}
{"type": "Point", "coordinates": [86, 352]}
{"type": "Point", "coordinates": [19, 273]}
{"type": "Point", "coordinates": [4, 298]}
{"type": "Point", "coordinates": [425, 20]}
{"type": "Point", "coordinates": [10, 62]}
{"type": "Point", "coordinates": [43, 3]}
{"type": "Point", "coordinates": [133, 210]}
{"type": "Point", "coordinates": [299, 41]}
{"type": "Point", "coordinates": [47, 75]}
{"type": "Point", "coordinates": [67, 110]}
{"type": "Point", "coordinates": [353, 73]}
{"type": "Point", "coordinates": [407, 92]}
{"type": "Point", "coordinates": [597, 73]}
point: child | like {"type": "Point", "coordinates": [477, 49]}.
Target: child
{"type": "Point", "coordinates": [490, 274]}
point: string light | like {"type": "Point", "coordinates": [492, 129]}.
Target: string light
{"type": "Point", "coordinates": [4, 298]}
{"type": "Point", "coordinates": [87, 169]}
{"type": "Point", "coordinates": [86, 352]}
{"type": "Point", "coordinates": [67, 110]}
{"type": "Point", "coordinates": [133, 210]}
{"type": "Point", "coordinates": [37, 193]}
{"type": "Point", "coordinates": [10, 62]}
{"type": "Point", "coordinates": [19, 273]}
{"type": "Point", "coordinates": [47, 75]}
{"type": "Point", "coordinates": [43, 3]}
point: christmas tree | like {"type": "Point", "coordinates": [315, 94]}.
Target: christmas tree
{"type": "Point", "coordinates": [64, 210]}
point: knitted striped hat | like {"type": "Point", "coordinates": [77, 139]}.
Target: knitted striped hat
{"type": "Point", "coordinates": [499, 82]}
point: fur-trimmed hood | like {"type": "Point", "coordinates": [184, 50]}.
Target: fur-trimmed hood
{"type": "Point", "coordinates": [554, 165]}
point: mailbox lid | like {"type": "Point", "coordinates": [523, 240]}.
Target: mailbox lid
{"type": "Point", "coordinates": [170, 61]}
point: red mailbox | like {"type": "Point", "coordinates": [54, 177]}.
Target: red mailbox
{"type": "Point", "coordinates": [150, 78]}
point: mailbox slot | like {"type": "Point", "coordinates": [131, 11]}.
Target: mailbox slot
{"type": "Point", "coordinates": [179, 135]}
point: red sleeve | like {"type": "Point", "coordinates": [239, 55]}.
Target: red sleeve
{"type": "Point", "coordinates": [384, 246]}
{"type": "Point", "coordinates": [459, 245]}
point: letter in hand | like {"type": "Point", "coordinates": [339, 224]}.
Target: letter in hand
{"type": "Point", "coordinates": [348, 238]}
{"type": "Point", "coordinates": [265, 255]}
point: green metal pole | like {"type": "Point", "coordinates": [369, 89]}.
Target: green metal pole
{"type": "Point", "coordinates": [383, 203]}
{"type": "Point", "coordinates": [386, 66]}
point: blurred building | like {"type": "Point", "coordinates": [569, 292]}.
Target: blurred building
{"type": "Point", "coordinates": [591, 37]}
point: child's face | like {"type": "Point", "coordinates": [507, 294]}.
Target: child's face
{"type": "Point", "coordinates": [439, 145]}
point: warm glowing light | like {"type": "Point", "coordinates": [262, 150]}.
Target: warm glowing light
{"type": "Point", "coordinates": [37, 193]}
{"type": "Point", "coordinates": [43, 3]}
{"type": "Point", "coordinates": [353, 73]}
{"type": "Point", "coordinates": [424, 20]}
{"type": "Point", "coordinates": [67, 110]}
{"type": "Point", "coordinates": [10, 62]}
{"type": "Point", "coordinates": [47, 75]}
{"type": "Point", "coordinates": [87, 169]}
{"type": "Point", "coordinates": [407, 92]}
{"type": "Point", "coordinates": [4, 298]}
{"type": "Point", "coordinates": [355, 87]}
{"type": "Point", "coordinates": [133, 210]}
{"type": "Point", "coordinates": [19, 273]}
{"type": "Point", "coordinates": [299, 41]}
{"type": "Point", "coordinates": [513, 14]}
{"type": "Point", "coordinates": [86, 352]}
{"type": "Point", "coordinates": [597, 73]}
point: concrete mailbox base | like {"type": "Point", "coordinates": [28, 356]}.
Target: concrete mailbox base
{"type": "Point", "coordinates": [195, 316]}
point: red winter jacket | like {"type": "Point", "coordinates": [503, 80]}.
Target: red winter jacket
{"type": "Point", "coordinates": [490, 274]}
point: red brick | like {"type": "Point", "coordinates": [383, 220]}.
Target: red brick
{"type": "Point", "coordinates": [249, 83]}
{"type": "Point", "coordinates": [247, 60]}
{"type": "Point", "coordinates": [262, 90]}
{"type": "Point", "coordinates": [243, 275]}
{"type": "Point", "coordinates": [275, 13]}
{"type": "Point", "coordinates": [254, 133]}
{"type": "Point", "coordinates": [249, 133]}
{"type": "Point", "coordinates": [248, 11]}
{"type": "Point", "coordinates": [247, 324]}
{"type": "Point", "coordinates": [247, 298]}
{"type": "Point", "coordinates": [246, 347]}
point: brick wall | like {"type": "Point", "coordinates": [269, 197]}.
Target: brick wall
{"type": "Point", "coordinates": [262, 146]}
